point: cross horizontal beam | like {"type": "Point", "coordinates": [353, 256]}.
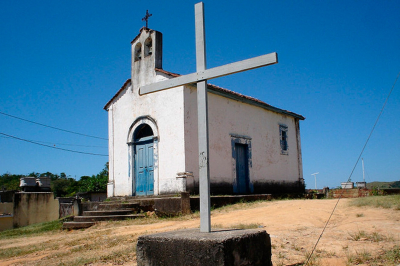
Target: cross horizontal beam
{"type": "Point", "coordinates": [216, 72]}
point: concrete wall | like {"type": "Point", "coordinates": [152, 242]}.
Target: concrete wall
{"type": "Point", "coordinates": [6, 215]}
{"type": "Point", "coordinates": [270, 171]}
{"type": "Point", "coordinates": [32, 208]}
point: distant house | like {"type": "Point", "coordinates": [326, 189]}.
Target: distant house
{"type": "Point", "coordinates": [153, 149]}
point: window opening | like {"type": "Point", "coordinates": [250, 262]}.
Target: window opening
{"type": "Point", "coordinates": [284, 139]}
{"type": "Point", "coordinates": [143, 132]}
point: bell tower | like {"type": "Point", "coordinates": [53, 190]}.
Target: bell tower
{"type": "Point", "coordinates": [146, 57]}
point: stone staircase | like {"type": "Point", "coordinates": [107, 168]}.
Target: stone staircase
{"type": "Point", "coordinates": [104, 211]}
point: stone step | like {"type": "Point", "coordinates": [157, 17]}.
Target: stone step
{"type": "Point", "coordinates": [118, 206]}
{"type": "Point", "coordinates": [110, 212]}
{"type": "Point", "coordinates": [106, 218]}
{"type": "Point", "coordinates": [77, 225]}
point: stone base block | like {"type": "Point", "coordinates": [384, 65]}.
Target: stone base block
{"type": "Point", "coordinates": [190, 247]}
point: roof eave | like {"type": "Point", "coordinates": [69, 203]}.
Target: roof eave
{"type": "Point", "coordinates": [239, 97]}
{"type": "Point", "coordinates": [253, 102]}
{"type": "Point", "coordinates": [116, 95]}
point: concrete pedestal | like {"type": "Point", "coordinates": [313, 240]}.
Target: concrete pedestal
{"type": "Point", "coordinates": [190, 247]}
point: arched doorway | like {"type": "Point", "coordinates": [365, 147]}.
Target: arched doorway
{"type": "Point", "coordinates": [143, 139]}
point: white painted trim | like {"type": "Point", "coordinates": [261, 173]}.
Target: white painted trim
{"type": "Point", "coordinates": [140, 121]}
{"type": "Point", "coordinates": [131, 160]}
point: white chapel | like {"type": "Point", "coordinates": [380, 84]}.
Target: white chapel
{"type": "Point", "coordinates": [254, 148]}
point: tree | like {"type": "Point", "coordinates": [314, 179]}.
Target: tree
{"type": "Point", "coordinates": [51, 175]}
{"type": "Point", "coordinates": [64, 187]}
{"type": "Point", "coordinates": [33, 174]}
{"type": "Point", "coordinates": [9, 181]}
{"type": "Point", "coordinates": [95, 183]}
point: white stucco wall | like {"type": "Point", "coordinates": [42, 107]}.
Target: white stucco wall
{"type": "Point", "coordinates": [229, 117]}
{"type": "Point", "coordinates": [166, 108]}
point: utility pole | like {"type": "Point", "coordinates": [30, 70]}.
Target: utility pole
{"type": "Point", "coordinates": [315, 176]}
{"type": "Point", "coordinates": [363, 169]}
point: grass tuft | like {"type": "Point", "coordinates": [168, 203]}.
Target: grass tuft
{"type": "Point", "coordinates": [359, 257]}
{"type": "Point", "coordinates": [374, 237]}
{"type": "Point", "coordinates": [358, 235]}
{"type": "Point", "coordinates": [388, 257]}
{"type": "Point", "coordinates": [392, 255]}
{"type": "Point", "coordinates": [386, 202]}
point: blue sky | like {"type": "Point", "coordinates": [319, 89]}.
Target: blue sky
{"type": "Point", "coordinates": [61, 61]}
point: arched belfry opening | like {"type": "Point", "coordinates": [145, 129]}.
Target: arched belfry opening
{"type": "Point", "coordinates": [138, 51]}
{"type": "Point", "coordinates": [148, 47]}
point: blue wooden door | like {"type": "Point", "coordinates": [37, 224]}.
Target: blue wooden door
{"type": "Point", "coordinates": [144, 168]}
{"type": "Point", "coordinates": [242, 169]}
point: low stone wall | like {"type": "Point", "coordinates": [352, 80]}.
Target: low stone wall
{"type": "Point", "coordinates": [69, 206]}
{"type": "Point", "coordinates": [390, 191]}
{"type": "Point", "coordinates": [172, 206]}
{"type": "Point", "coordinates": [350, 193]}
{"type": "Point", "coordinates": [219, 201]}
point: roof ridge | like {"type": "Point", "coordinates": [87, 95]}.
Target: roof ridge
{"type": "Point", "coordinates": [239, 95]}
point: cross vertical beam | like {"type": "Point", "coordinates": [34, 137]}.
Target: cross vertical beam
{"type": "Point", "coordinates": [202, 112]}
{"type": "Point", "coordinates": [200, 77]}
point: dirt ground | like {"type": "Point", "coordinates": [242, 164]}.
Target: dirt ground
{"type": "Point", "coordinates": [294, 227]}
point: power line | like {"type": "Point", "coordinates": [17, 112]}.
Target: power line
{"type": "Point", "coordinates": [62, 144]}
{"type": "Point", "coordinates": [43, 125]}
{"type": "Point", "coordinates": [88, 153]}
{"type": "Point", "coordinates": [358, 159]}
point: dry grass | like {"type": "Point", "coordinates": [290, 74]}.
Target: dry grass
{"type": "Point", "coordinates": [294, 227]}
{"type": "Point", "coordinates": [32, 230]}
{"type": "Point", "coordinates": [389, 257]}
{"type": "Point", "coordinates": [374, 237]}
{"type": "Point", "coordinates": [386, 202]}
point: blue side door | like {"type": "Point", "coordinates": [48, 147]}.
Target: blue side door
{"type": "Point", "coordinates": [144, 168]}
{"type": "Point", "coordinates": [242, 169]}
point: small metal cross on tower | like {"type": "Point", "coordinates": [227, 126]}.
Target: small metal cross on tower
{"type": "Point", "coordinates": [201, 77]}
{"type": "Point", "coordinates": [146, 18]}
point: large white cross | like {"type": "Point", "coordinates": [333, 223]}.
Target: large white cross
{"type": "Point", "coordinates": [200, 77]}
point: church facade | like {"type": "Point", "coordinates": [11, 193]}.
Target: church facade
{"type": "Point", "coordinates": [153, 147]}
